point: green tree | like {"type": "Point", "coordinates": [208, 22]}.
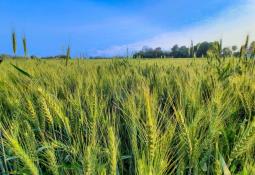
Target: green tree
{"type": "Point", "coordinates": [226, 52]}
{"type": "Point", "coordinates": [174, 51]}
{"type": "Point", "coordinates": [202, 48]}
{"type": "Point", "coordinates": [234, 48]}
{"type": "Point", "coordinates": [183, 52]}
{"type": "Point", "coordinates": [158, 52]}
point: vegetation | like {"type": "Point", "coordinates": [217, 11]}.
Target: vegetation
{"type": "Point", "coordinates": [14, 43]}
{"type": "Point", "coordinates": [24, 41]}
{"type": "Point", "coordinates": [199, 50]}
{"type": "Point", "coordinates": [68, 52]}
{"type": "Point", "coordinates": [127, 116]}
{"type": "Point", "coordinates": [144, 117]}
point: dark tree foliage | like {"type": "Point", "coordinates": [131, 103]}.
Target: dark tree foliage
{"type": "Point", "coordinates": [199, 50]}
{"type": "Point", "coordinates": [202, 49]}
{"type": "Point", "coordinates": [176, 52]}
{"type": "Point", "coordinates": [180, 52]}
{"type": "Point", "coordinates": [150, 53]}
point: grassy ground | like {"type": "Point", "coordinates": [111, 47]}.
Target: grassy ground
{"type": "Point", "coordinates": [142, 117]}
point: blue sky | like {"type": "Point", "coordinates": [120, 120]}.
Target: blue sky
{"type": "Point", "coordinates": [95, 27]}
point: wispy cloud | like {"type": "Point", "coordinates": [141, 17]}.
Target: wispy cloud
{"type": "Point", "coordinates": [232, 25]}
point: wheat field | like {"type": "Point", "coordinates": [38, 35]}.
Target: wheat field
{"type": "Point", "coordinates": [121, 117]}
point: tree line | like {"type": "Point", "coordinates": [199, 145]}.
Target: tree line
{"type": "Point", "coordinates": [200, 50]}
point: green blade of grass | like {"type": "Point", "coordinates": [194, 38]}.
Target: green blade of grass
{"type": "Point", "coordinates": [21, 71]}
{"type": "Point", "coordinates": [224, 166]}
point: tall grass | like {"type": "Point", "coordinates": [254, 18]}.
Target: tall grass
{"type": "Point", "coordinates": [14, 43]}
{"type": "Point", "coordinates": [68, 51]}
{"type": "Point", "coordinates": [24, 41]}
{"type": "Point", "coordinates": [127, 117]}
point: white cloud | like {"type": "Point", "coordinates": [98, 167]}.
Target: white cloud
{"type": "Point", "coordinates": [232, 25]}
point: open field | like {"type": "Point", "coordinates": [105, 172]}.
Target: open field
{"type": "Point", "coordinates": [144, 117]}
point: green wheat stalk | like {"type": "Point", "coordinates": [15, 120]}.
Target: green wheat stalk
{"type": "Point", "coordinates": [24, 41]}
{"type": "Point", "coordinates": [68, 51]}
{"type": "Point", "coordinates": [14, 43]}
